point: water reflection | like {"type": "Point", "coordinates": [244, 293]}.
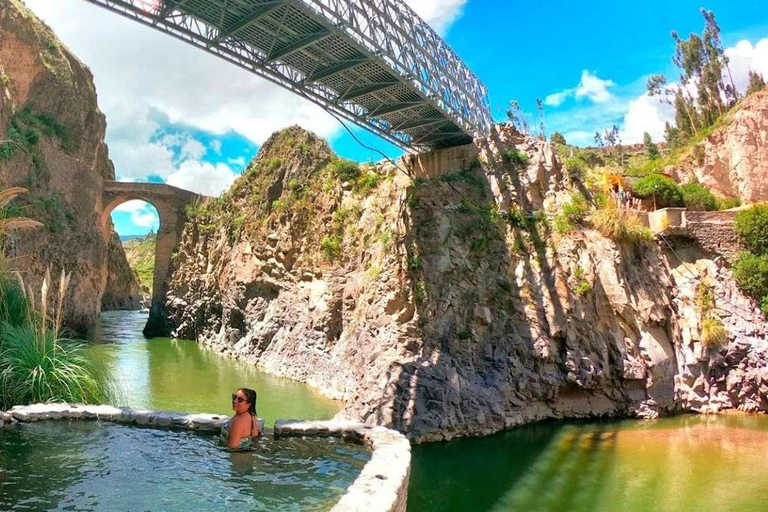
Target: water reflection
{"type": "Point", "coordinates": [672, 465]}
{"type": "Point", "coordinates": [179, 375]}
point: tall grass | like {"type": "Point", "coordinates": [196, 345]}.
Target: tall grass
{"type": "Point", "coordinates": [38, 362]}
{"type": "Point", "coordinates": [620, 225]}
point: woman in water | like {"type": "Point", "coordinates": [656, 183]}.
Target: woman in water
{"type": "Point", "coordinates": [240, 432]}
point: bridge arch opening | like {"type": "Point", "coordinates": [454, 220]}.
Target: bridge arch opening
{"type": "Point", "coordinates": [137, 223]}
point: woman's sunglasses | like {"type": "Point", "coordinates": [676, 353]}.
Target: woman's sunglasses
{"type": "Point", "coordinates": [239, 399]}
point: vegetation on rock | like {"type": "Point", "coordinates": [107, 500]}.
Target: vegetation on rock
{"type": "Point", "coordinates": [140, 253]}
{"type": "Point", "coordinates": [664, 191]}
{"type": "Point", "coordinates": [698, 198]}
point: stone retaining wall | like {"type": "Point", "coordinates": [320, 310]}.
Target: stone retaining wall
{"type": "Point", "coordinates": [382, 486]}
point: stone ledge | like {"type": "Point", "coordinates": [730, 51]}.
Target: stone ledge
{"type": "Point", "coordinates": [383, 483]}
{"type": "Point", "coordinates": [123, 415]}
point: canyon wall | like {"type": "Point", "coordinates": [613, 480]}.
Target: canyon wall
{"type": "Point", "coordinates": [447, 306]}
{"type": "Point", "coordinates": [53, 144]}
{"type": "Point", "coordinates": [733, 160]}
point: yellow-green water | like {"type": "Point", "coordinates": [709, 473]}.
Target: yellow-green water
{"type": "Point", "coordinates": [180, 375]}
{"type": "Point", "coordinates": [682, 464]}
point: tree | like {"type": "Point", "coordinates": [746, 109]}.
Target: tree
{"type": "Point", "coordinates": [756, 82]}
{"type": "Point", "coordinates": [558, 138]}
{"type": "Point", "coordinates": [672, 136]}
{"type": "Point", "coordinates": [599, 140]}
{"type": "Point", "coordinates": [540, 108]}
{"type": "Point", "coordinates": [613, 138]}
{"type": "Point", "coordinates": [651, 149]}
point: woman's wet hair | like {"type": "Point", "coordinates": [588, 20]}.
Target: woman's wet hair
{"type": "Point", "coordinates": [251, 396]}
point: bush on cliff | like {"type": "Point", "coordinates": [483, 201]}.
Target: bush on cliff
{"type": "Point", "coordinates": [698, 198]}
{"type": "Point", "coordinates": [713, 333]}
{"type": "Point", "coordinates": [752, 226]}
{"type": "Point", "coordinates": [751, 274]}
{"type": "Point", "coordinates": [665, 191]}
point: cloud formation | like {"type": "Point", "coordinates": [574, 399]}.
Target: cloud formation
{"type": "Point", "coordinates": [141, 214]}
{"type": "Point", "coordinates": [590, 87]}
{"type": "Point", "coordinates": [440, 14]}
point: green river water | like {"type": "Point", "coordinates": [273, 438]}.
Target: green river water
{"type": "Point", "coordinates": [678, 464]}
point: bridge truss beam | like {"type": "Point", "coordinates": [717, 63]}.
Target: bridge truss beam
{"type": "Point", "coordinates": [372, 62]}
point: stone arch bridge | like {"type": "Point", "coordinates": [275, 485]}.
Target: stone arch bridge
{"type": "Point", "coordinates": [171, 205]}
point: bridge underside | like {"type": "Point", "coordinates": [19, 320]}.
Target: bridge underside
{"type": "Point", "coordinates": [372, 62]}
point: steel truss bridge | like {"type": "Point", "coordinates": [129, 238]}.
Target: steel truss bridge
{"type": "Point", "coordinates": [372, 62]}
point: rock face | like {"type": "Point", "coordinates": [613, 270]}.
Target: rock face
{"type": "Point", "coordinates": [441, 307]}
{"type": "Point", "coordinates": [122, 292]}
{"type": "Point", "coordinates": [55, 148]}
{"type": "Point", "coordinates": [733, 161]}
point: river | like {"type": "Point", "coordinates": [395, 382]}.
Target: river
{"type": "Point", "coordinates": [673, 465]}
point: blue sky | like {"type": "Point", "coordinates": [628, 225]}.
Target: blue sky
{"type": "Point", "coordinates": [181, 116]}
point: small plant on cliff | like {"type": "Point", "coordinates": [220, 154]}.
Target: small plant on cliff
{"type": "Point", "coordinates": [752, 226]}
{"type": "Point", "coordinates": [698, 198]}
{"type": "Point", "coordinates": [572, 214]}
{"type": "Point", "coordinates": [713, 333]}
{"type": "Point", "coordinates": [345, 170]}
{"type": "Point", "coordinates": [665, 192]}
{"type": "Point", "coordinates": [518, 159]}
{"type": "Point", "coordinates": [331, 246]}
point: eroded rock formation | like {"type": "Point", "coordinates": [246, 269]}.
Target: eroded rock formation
{"type": "Point", "coordinates": [53, 144]}
{"type": "Point", "coordinates": [733, 160]}
{"type": "Point", "coordinates": [447, 307]}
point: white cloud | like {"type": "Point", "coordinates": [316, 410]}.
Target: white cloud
{"type": "Point", "coordinates": [192, 148]}
{"type": "Point", "coordinates": [745, 57]}
{"type": "Point", "coordinates": [203, 177]}
{"type": "Point", "coordinates": [440, 14]}
{"type": "Point", "coordinates": [646, 114]}
{"type": "Point", "coordinates": [216, 146]}
{"type": "Point", "coordinates": [239, 161]}
{"type": "Point", "coordinates": [594, 88]}
{"type": "Point", "coordinates": [142, 214]}
{"type": "Point", "coordinates": [590, 86]}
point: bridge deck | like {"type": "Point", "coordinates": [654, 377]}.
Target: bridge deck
{"type": "Point", "coordinates": [373, 62]}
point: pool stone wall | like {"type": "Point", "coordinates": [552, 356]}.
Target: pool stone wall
{"type": "Point", "coordinates": [382, 485]}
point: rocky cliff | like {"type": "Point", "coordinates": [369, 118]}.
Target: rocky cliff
{"type": "Point", "coordinates": [445, 305]}
{"type": "Point", "coordinates": [733, 160]}
{"type": "Point", "coordinates": [123, 291]}
{"type": "Point", "coordinates": [52, 137]}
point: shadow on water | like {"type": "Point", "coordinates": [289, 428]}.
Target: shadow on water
{"type": "Point", "coordinates": [474, 474]}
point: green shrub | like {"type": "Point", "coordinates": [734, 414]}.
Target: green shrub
{"type": "Point", "coordinates": [698, 198]}
{"type": "Point", "coordinates": [751, 274]}
{"type": "Point", "coordinates": [666, 192]}
{"type": "Point", "coordinates": [752, 227]}
{"type": "Point", "coordinates": [367, 182]}
{"type": "Point", "coordinates": [345, 170]}
{"type": "Point", "coordinates": [14, 309]}
{"type": "Point", "coordinates": [582, 289]}
{"type": "Point", "coordinates": [573, 213]}
{"type": "Point", "coordinates": [331, 246]}
{"type": "Point", "coordinates": [727, 204]}
{"type": "Point", "coordinates": [713, 333]}
{"type": "Point", "coordinates": [620, 225]}
{"type": "Point", "coordinates": [517, 158]}
{"type": "Point", "coordinates": [577, 168]}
